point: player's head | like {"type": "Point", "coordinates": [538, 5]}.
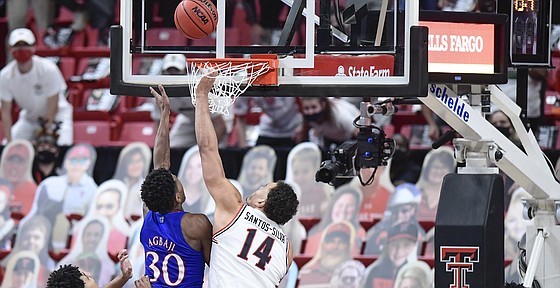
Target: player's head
{"type": "Point", "coordinates": [162, 191]}
{"type": "Point", "coordinates": [69, 276]}
{"type": "Point", "coordinates": [277, 200]}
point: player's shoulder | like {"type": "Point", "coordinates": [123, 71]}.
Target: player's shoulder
{"type": "Point", "coordinates": [193, 221]}
{"type": "Point", "coordinates": [196, 226]}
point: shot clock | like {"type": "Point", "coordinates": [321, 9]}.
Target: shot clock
{"type": "Point", "coordinates": [530, 32]}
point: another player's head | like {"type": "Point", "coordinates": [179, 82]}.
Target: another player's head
{"type": "Point", "coordinates": [277, 200]}
{"type": "Point", "coordinates": [162, 192]}
{"type": "Point", "coordinates": [69, 276]}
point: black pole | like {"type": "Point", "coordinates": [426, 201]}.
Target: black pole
{"type": "Point", "coordinates": [324, 33]}
{"type": "Point", "coordinates": [521, 95]}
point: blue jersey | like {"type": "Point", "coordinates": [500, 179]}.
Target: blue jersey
{"type": "Point", "coordinates": [170, 260]}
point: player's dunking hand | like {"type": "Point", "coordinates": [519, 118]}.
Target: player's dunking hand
{"type": "Point", "coordinates": [205, 84]}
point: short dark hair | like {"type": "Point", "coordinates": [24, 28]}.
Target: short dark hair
{"type": "Point", "coordinates": [281, 203]}
{"type": "Point", "coordinates": [66, 276]}
{"type": "Point", "coordinates": [158, 190]}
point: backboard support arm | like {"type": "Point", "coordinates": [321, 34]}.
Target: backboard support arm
{"type": "Point", "coordinates": [529, 169]}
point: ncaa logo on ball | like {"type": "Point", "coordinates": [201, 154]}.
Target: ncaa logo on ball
{"type": "Point", "coordinates": [200, 15]}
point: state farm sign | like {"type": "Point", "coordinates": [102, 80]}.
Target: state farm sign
{"type": "Point", "coordinates": [350, 66]}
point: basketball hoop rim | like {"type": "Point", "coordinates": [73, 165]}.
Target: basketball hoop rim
{"type": "Point", "coordinates": [268, 78]}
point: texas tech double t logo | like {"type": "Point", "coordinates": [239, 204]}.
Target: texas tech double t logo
{"type": "Point", "coordinates": [460, 261]}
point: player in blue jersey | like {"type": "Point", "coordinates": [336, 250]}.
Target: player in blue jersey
{"type": "Point", "coordinates": [176, 243]}
{"type": "Point", "coordinates": [249, 247]}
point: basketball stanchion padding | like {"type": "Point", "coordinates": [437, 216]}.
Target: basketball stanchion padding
{"type": "Point", "coordinates": [234, 77]}
{"type": "Point", "coordinates": [469, 233]}
{"type": "Point", "coordinates": [196, 19]}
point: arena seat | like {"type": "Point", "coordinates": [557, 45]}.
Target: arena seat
{"type": "Point", "coordinates": [301, 260]}
{"type": "Point", "coordinates": [133, 131]}
{"type": "Point", "coordinates": [67, 66]}
{"type": "Point", "coordinates": [97, 133]}
{"type": "Point", "coordinates": [308, 222]}
{"type": "Point", "coordinates": [165, 37]}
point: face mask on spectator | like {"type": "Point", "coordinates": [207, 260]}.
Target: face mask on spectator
{"type": "Point", "coordinates": [46, 157]}
{"type": "Point", "coordinates": [22, 55]}
{"type": "Point", "coordinates": [313, 117]}
{"type": "Point", "coordinates": [504, 130]}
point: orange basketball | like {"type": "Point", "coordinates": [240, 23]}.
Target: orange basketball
{"type": "Point", "coordinates": [196, 18]}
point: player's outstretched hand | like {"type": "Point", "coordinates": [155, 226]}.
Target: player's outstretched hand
{"type": "Point", "coordinates": [205, 84]}
{"type": "Point", "coordinates": [162, 101]}
{"type": "Point", "coordinates": [143, 282]}
{"type": "Point", "coordinates": [126, 266]}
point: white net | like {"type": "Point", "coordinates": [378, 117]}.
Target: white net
{"type": "Point", "coordinates": [232, 80]}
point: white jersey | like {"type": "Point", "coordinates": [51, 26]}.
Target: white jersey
{"type": "Point", "coordinates": [251, 251]}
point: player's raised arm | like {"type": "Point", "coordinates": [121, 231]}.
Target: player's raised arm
{"type": "Point", "coordinates": [227, 198]}
{"type": "Point", "coordinates": [161, 146]}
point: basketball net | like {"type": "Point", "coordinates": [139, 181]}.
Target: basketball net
{"type": "Point", "coordinates": [232, 80]}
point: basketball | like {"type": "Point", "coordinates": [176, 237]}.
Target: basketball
{"type": "Point", "coordinates": [196, 19]}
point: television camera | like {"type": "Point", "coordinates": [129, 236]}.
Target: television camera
{"type": "Point", "coordinates": [370, 149]}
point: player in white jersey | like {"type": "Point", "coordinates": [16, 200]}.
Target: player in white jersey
{"type": "Point", "coordinates": [249, 248]}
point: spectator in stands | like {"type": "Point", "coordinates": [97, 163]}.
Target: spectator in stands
{"type": "Point", "coordinates": [99, 13]}
{"type": "Point", "coordinates": [268, 27]}
{"type": "Point", "coordinates": [515, 225]}
{"type": "Point", "coordinates": [89, 247]}
{"type": "Point", "coordinates": [415, 274]}
{"type": "Point", "coordinates": [348, 275]}
{"type": "Point", "coordinates": [502, 122]}
{"type": "Point", "coordinates": [437, 164]}
{"type": "Point", "coordinates": [15, 164]}
{"type": "Point", "coordinates": [327, 121]}
{"type": "Point", "coordinates": [132, 168]}
{"type": "Point", "coordinates": [67, 194]}
{"type": "Point", "coordinates": [43, 12]}
{"type": "Point", "coordinates": [401, 246]}
{"type": "Point", "coordinates": [22, 271]}
{"type": "Point", "coordinates": [536, 88]}
{"type": "Point", "coordinates": [257, 169]}
{"type": "Point", "coordinates": [435, 123]}
{"type": "Point", "coordinates": [198, 198]}
{"type": "Point", "coordinates": [108, 203]}
{"type": "Point", "coordinates": [343, 206]}
{"type": "Point", "coordinates": [457, 5]}
{"type": "Point", "coordinates": [33, 236]}
{"type": "Point", "coordinates": [375, 195]}
{"type": "Point", "coordinates": [46, 154]}
{"type": "Point", "coordinates": [335, 249]}
{"type": "Point", "coordinates": [37, 87]}
{"type": "Point", "coordinates": [401, 208]}
{"type": "Point", "coordinates": [303, 162]}
{"type": "Point", "coordinates": [279, 120]}
{"type": "Point", "coordinates": [182, 132]}
{"type": "Point", "coordinates": [7, 224]}
{"type": "Point", "coordinates": [403, 169]}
